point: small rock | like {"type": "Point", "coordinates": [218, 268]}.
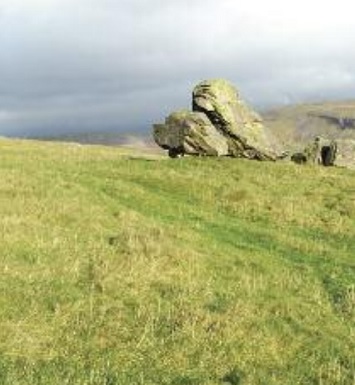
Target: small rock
{"type": "Point", "coordinates": [320, 152]}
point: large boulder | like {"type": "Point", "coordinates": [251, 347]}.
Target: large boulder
{"type": "Point", "coordinates": [233, 118]}
{"type": "Point", "coordinates": [221, 124]}
{"type": "Point", "coordinates": [186, 132]}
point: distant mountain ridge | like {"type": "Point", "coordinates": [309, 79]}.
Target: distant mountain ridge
{"type": "Point", "coordinates": [343, 121]}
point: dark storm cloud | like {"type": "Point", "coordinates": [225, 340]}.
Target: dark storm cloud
{"type": "Point", "coordinates": [104, 64]}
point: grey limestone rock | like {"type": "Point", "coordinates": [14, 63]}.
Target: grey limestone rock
{"type": "Point", "coordinates": [221, 124]}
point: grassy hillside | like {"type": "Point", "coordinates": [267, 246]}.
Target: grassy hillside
{"type": "Point", "coordinates": [117, 269]}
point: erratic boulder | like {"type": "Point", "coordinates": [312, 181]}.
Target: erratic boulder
{"type": "Point", "coordinates": [220, 101]}
{"type": "Point", "coordinates": [221, 124]}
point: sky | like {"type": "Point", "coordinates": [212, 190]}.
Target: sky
{"type": "Point", "coordinates": [121, 65]}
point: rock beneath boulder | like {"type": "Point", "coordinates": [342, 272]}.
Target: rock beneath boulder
{"type": "Point", "coordinates": [321, 151]}
{"type": "Point", "coordinates": [234, 119]}
{"type": "Point", "coordinates": [186, 132]}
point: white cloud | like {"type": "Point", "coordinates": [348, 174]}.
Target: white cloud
{"type": "Point", "coordinates": [5, 116]}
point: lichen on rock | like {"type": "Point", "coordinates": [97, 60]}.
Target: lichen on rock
{"type": "Point", "coordinates": [221, 124]}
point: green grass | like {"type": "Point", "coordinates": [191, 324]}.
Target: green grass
{"type": "Point", "coordinates": [120, 269]}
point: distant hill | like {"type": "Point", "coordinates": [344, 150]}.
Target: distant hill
{"type": "Point", "coordinates": [136, 140]}
{"type": "Point", "coordinates": [296, 125]}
